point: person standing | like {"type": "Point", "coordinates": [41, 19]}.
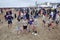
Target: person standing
{"type": "Point", "coordinates": [25, 24]}
{"type": "Point", "coordinates": [9, 19]}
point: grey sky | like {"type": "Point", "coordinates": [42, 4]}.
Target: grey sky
{"type": "Point", "coordinates": [22, 3]}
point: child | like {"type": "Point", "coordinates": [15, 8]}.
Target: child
{"type": "Point", "coordinates": [18, 27]}
{"type": "Point", "coordinates": [57, 19]}
{"type": "Point", "coordinates": [34, 25]}
{"type": "Point", "coordinates": [25, 24]}
{"type": "Point", "coordinates": [30, 23]}
{"type": "Point", "coordinates": [51, 24]}
{"type": "Point", "coordinates": [43, 20]}
{"type": "Point", "coordinates": [9, 19]}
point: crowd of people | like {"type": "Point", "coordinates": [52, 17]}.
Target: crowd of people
{"type": "Point", "coordinates": [29, 16]}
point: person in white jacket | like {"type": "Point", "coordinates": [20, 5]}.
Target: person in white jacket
{"type": "Point", "coordinates": [51, 14]}
{"type": "Point", "coordinates": [57, 19]}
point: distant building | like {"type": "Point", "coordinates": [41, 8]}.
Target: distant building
{"type": "Point", "coordinates": [58, 5]}
{"type": "Point", "coordinates": [46, 4]}
{"type": "Point", "coordinates": [54, 5]}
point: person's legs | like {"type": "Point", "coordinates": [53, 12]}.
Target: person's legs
{"type": "Point", "coordinates": [44, 23]}
{"type": "Point", "coordinates": [9, 24]}
{"type": "Point", "coordinates": [21, 30]}
{"type": "Point", "coordinates": [57, 22]}
{"type": "Point", "coordinates": [24, 29]}
{"type": "Point", "coordinates": [28, 29]}
{"type": "Point", "coordinates": [34, 30]}
{"type": "Point", "coordinates": [0, 20]}
{"type": "Point", "coordinates": [49, 25]}
{"type": "Point", "coordinates": [17, 32]}
{"type": "Point", "coordinates": [15, 15]}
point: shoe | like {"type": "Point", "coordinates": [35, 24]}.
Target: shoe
{"type": "Point", "coordinates": [35, 34]}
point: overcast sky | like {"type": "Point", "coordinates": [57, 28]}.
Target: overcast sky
{"type": "Point", "coordinates": [22, 3]}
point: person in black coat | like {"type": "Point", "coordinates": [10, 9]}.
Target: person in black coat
{"type": "Point", "coordinates": [27, 16]}
{"type": "Point", "coordinates": [9, 19]}
{"type": "Point", "coordinates": [15, 15]}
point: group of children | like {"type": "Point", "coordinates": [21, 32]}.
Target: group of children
{"type": "Point", "coordinates": [53, 19]}
{"type": "Point", "coordinates": [28, 19]}
{"type": "Point", "coordinates": [28, 24]}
